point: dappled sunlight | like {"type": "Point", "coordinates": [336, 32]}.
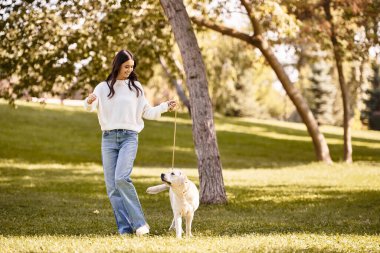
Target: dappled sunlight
{"type": "Point", "coordinates": [354, 176]}
{"type": "Point", "coordinates": [326, 129]}
{"type": "Point", "coordinates": [365, 134]}
{"type": "Point", "coordinates": [47, 106]}
{"type": "Point", "coordinates": [358, 175]}
{"type": "Point", "coordinates": [263, 131]}
{"type": "Point", "coordinates": [286, 124]}
{"type": "Point", "coordinates": [178, 148]}
{"type": "Point", "coordinates": [260, 131]}
{"type": "Point", "coordinates": [149, 180]}
{"type": "Point", "coordinates": [178, 120]}
{"type": "Point", "coordinates": [5, 179]}
{"type": "Point", "coordinates": [366, 144]}
{"type": "Point", "coordinates": [279, 194]}
{"type": "Point", "coordinates": [28, 185]}
{"type": "Point", "coordinates": [83, 168]}
{"type": "Point", "coordinates": [279, 136]}
{"type": "Point", "coordinates": [240, 129]}
{"type": "Point", "coordinates": [355, 143]}
{"type": "Point", "coordinates": [289, 198]}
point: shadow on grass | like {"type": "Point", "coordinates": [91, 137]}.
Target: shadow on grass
{"type": "Point", "coordinates": [282, 147]}
{"type": "Point", "coordinates": [288, 130]}
{"type": "Point", "coordinates": [69, 202]}
{"type": "Point", "coordinates": [240, 150]}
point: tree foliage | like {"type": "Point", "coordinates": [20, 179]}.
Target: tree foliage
{"type": "Point", "coordinates": [371, 114]}
{"type": "Point", "coordinates": [323, 93]}
{"type": "Point", "coordinates": [59, 47]}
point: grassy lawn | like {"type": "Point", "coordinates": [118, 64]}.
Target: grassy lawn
{"type": "Point", "coordinates": [53, 198]}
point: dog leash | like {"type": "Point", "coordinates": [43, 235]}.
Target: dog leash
{"type": "Point", "coordinates": [175, 131]}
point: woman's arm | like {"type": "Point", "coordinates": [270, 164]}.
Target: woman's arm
{"type": "Point", "coordinates": [92, 101]}
{"type": "Point", "coordinates": [152, 113]}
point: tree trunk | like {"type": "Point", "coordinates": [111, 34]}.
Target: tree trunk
{"type": "Point", "coordinates": [342, 82]}
{"type": "Point", "coordinates": [346, 109]}
{"type": "Point", "coordinates": [176, 84]}
{"type": "Point", "coordinates": [320, 144]}
{"type": "Point", "coordinates": [209, 165]}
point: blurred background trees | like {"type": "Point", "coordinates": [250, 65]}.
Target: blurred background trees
{"type": "Point", "coordinates": [370, 115]}
{"type": "Point", "coordinates": [323, 93]}
{"type": "Point", "coordinates": [64, 48]}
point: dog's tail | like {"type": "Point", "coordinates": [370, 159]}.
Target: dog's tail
{"type": "Point", "coordinates": [157, 189]}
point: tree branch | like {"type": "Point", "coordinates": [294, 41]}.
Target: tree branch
{"type": "Point", "coordinates": [226, 31]}
{"type": "Point", "coordinates": [257, 29]}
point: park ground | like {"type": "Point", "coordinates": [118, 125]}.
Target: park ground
{"type": "Point", "coordinates": [53, 199]}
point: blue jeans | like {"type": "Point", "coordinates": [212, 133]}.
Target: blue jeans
{"type": "Point", "coordinates": [119, 148]}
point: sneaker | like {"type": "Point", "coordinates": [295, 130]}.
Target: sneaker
{"type": "Point", "coordinates": [142, 230]}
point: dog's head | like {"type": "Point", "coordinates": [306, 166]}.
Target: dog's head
{"type": "Point", "coordinates": [174, 178]}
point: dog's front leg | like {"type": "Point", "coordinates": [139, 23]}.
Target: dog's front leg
{"type": "Point", "coordinates": [178, 225]}
{"type": "Point", "coordinates": [172, 226]}
{"type": "Point", "coordinates": [189, 220]}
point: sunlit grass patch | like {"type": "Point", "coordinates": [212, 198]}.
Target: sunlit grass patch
{"type": "Point", "coordinates": [277, 242]}
{"type": "Point", "coordinates": [358, 175]}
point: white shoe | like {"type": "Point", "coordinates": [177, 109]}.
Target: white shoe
{"type": "Point", "coordinates": [142, 230]}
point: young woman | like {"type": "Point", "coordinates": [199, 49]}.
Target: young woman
{"type": "Point", "coordinates": [121, 107]}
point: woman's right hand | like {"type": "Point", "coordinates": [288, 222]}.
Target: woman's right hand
{"type": "Point", "coordinates": [91, 98]}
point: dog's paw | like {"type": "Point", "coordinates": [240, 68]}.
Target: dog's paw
{"type": "Point", "coordinates": [157, 189]}
{"type": "Point", "coordinates": [150, 190]}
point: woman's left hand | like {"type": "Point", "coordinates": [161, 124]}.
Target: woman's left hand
{"type": "Point", "coordinates": [171, 105]}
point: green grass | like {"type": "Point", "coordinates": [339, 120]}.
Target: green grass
{"type": "Point", "coordinates": [52, 194]}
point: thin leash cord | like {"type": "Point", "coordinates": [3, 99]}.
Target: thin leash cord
{"type": "Point", "coordinates": [175, 130]}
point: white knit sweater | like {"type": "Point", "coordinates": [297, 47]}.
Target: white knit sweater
{"type": "Point", "coordinates": [124, 110]}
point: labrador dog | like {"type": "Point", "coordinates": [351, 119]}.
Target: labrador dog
{"type": "Point", "coordinates": [184, 199]}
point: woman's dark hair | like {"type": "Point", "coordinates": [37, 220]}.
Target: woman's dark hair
{"type": "Point", "coordinates": [121, 57]}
